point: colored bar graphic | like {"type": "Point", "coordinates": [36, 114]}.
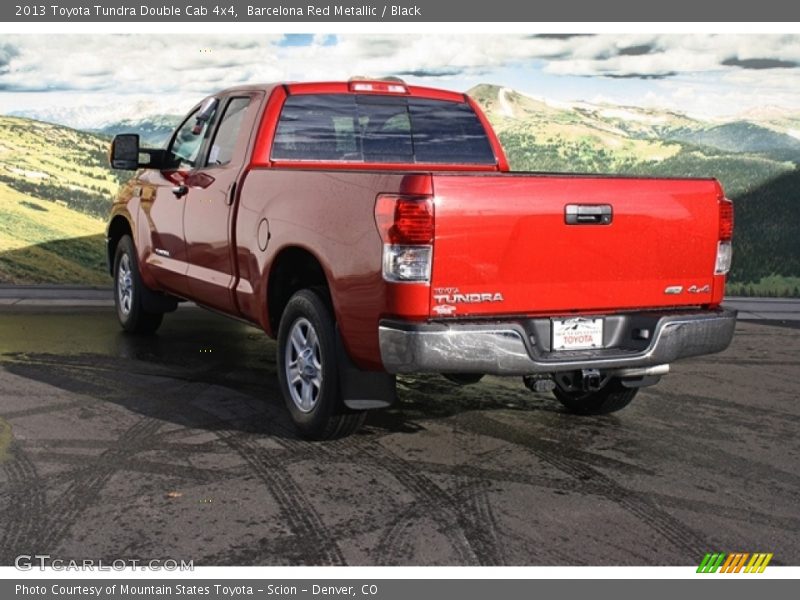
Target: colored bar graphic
{"type": "Point", "coordinates": [714, 567]}
{"type": "Point", "coordinates": [749, 567]}
{"type": "Point", "coordinates": [726, 568]}
{"type": "Point", "coordinates": [704, 562]}
{"type": "Point", "coordinates": [741, 562]}
{"type": "Point", "coordinates": [711, 562]}
{"type": "Point", "coordinates": [734, 562]}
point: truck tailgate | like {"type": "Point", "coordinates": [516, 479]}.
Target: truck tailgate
{"type": "Point", "coordinates": [504, 244]}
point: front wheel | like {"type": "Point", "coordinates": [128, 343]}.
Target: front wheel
{"type": "Point", "coordinates": [612, 397]}
{"type": "Point", "coordinates": [308, 370]}
{"type": "Point", "coordinates": [129, 291]}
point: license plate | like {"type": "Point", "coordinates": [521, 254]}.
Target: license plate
{"type": "Point", "coordinates": [577, 333]}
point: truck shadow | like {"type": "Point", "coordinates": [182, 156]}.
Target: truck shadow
{"type": "Point", "coordinates": [205, 371]}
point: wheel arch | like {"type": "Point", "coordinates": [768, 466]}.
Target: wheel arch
{"type": "Point", "coordinates": [117, 228]}
{"type": "Point", "coordinates": [293, 268]}
{"type": "Point", "coordinates": [296, 268]}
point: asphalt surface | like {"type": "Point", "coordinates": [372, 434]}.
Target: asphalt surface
{"type": "Point", "coordinates": [178, 446]}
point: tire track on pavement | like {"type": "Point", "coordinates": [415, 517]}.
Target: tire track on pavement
{"type": "Point", "coordinates": [26, 505]}
{"type": "Point", "coordinates": [569, 462]}
{"type": "Point", "coordinates": [88, 481]}
{"type": "Point", "coordinates": [315, 545]}
{"type": "Point", "coordinates": [471, 545]}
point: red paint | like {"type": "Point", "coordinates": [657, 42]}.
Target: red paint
{"type": "Point", "coordinates": [664, 233]}
{"type": "Point", "coordinates": [494, 232]}
{"type": "Point", "coordinates": [340, 87]}
{"type": "Point", "coordinates": [266, 131]}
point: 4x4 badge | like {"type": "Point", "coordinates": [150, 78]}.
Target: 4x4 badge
{"type": "Point", "coordinates": [693, 289]}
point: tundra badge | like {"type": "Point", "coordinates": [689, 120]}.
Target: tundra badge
{"type": "Point", "coordinates": [457, 298]}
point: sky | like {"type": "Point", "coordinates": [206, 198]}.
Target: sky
{"type": "Point", "coordinates": [91, 80]}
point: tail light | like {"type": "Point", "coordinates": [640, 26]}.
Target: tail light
{"type": "Point", "coordinates": [391, 85]}
{"type": "Point", "coordinates": [725, 220]}
{"type": "Point", "coordinates": [406, 227]}
{"type": "Point", "coordinates": [724, 247]}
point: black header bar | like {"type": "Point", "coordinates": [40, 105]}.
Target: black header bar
{"type": "Point", "coordinates": [542, 11]}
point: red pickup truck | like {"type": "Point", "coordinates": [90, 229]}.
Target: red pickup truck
{"type": "Point", "coordinates": [374, 228]}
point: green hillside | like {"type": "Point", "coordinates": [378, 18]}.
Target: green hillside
{"type": "Point", "coordinates": [55, 193]}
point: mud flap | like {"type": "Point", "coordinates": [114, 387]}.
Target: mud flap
{"type": "Point", "coordinates": [363, 390]}
{"type": "Point", "coordinates": [156, 302]}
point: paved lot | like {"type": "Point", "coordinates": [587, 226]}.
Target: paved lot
{"type": "Point", "coordinates": [177, 446]}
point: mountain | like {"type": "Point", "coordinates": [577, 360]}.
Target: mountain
{"type": "Point", "coordinates": [541, 135]}
{"type": "Point", "coordinates": [153, 121]}
{"type": "Point", "coordinates": [96, 117]}
{"type": "Point", "coordinates": [153, 130]}
{"type": "Point", "coordinates": [626, 130]}
{"type": "Point", "coordinates": [755, 156]}
{"type": "Point", "coordinates": [743, 137]}
{"type": "Point", "coordinates": [55, 193]}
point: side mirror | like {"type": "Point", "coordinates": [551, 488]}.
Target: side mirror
{"type": "Point", "coordinates": [124, 152]}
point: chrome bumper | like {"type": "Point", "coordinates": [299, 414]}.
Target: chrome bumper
{"type": "Point", "coordinates": [523, 347]}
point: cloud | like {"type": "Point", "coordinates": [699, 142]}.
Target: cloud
{"type": "Point", "coordinates": [422, 73]}
{"type": "Point", "coordinates": [559, 36]}
{"type": "Point", "coordinates": [199, 64]}
{"type": "Point", "coordinates": [636, 50]}
{"type": "Point", "coordinates": [659, 55]}
{"type": "Point", "coordinates": [191, 66]}
{"type": "Point", "coordinates": [760, 63]}
{"type": "Point", "coordinates": [7, 53]}
{"type": "Point", "coordinates": [641, 75]}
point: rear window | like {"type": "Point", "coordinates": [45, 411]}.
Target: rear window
{"type": "Point", "coordinates": [374, 128]}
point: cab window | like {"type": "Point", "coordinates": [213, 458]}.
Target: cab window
{"type": "Point", "coordinates": [222, 148]}
{"type": "Point", "coordinates": [188, 140]}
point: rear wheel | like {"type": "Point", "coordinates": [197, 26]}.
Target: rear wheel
{"type": "Point", "coordinates": [308, 370]}
{"type": "Point", "coordinates": [129, 291]}
{"type": "Point", "coordinates": [612, 397]}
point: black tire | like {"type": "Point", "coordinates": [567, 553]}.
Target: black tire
{"type": "Point", "coordinates": [611, 398]}
{"type": "Point", "coordinates": [308, 370]}
{"type": "Point", "coordinates": [129, 291]}
{"type": "Point", "coordinates": [463, 378]}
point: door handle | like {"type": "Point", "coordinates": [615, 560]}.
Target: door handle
{"type": "Point", "coordinates": [180, 191]}
{"type": "Point", "coordinates": [588, 214]}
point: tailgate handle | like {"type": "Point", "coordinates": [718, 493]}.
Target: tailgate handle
{"type": "Point", "coordinates": [588, 214]}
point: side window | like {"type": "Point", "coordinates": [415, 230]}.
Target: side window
{"type": "Point", "coordinates": [224, 143]}
{"type": "Point", "coordinates": [188, 140]}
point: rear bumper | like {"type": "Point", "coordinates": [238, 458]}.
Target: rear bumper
{"type": "Point", "coordinates": [523, 347]}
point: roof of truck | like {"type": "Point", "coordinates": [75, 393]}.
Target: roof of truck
{"type": "Point", "coordinates": [347, 87]}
